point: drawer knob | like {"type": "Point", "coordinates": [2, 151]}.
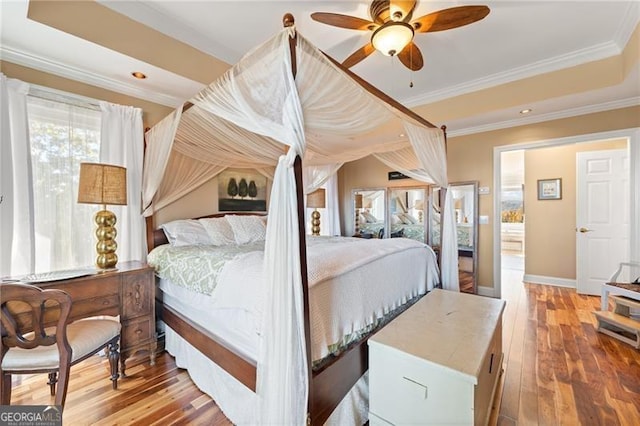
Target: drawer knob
{"type": "Point", "coordinates": [138, 331]}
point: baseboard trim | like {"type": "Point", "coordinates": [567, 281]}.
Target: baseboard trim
{"type": "Point", "coordinates": [557, 282]}
{"type": "Point", "coordinates": [486, 291]}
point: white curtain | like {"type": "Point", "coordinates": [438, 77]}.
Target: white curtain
{"type": "Point", "coordinates": [122, 144]}
{"type": "Point", "coordinates": [159, 143]}
{"type": "Point", "coordinates": [17, 237]}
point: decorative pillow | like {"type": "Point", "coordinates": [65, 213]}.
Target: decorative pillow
{"type": "Point", "coordinates": [362, 219]}
{"type": "Point", "coordinates": [404, 218]}
{"type": "Point", "coordinates": [219, 231]}
{"type": "Point", "coordinates": [411, 220]}
{"type": "Point", "coordinates": [247, 229]}
{"type": "Point", "coordinates": [185, 232]}
{"type": "Point", "coordinates": [369, 217]}
{"type": "Point", "coordinates": [395, 219]}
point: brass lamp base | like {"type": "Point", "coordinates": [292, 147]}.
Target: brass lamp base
{"type": "Point", "coordinates": [315, 222]}
{"type": "Point", "coordinates": [357, 222]}
{"type": "Point", "coordinates": [106, 245]}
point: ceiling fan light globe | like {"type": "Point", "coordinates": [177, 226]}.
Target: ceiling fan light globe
{"type": "Point", "coordinates": [392, 37]}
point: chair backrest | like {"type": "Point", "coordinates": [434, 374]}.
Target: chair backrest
{"type": "Point", "coordinates": [18, 322]}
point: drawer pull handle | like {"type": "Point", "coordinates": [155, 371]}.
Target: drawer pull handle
{"type": "Point", "coordinates": [491, 364]}
{"type": "Point", "coordinates": [138, 331]}
{"type": "Point", "coordinates": [105, 302]}
{"type": "Point", "coordinates": [426, 389]}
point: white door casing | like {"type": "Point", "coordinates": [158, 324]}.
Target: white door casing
{"type": "Point", "coordinates": [602, 216]}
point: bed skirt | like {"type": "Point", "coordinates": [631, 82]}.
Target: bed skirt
{"type": "Point", "coordinates": [239, 403]}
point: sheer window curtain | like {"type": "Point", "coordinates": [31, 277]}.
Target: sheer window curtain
{"type": "Point", "coordinates": [17, 240]}
{"type": "Point", "coordinates": [122, 144]}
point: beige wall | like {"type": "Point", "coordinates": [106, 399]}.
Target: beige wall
{"type": "Point", "coordinates": [550, 238]}
{"type": "Point", "coordinates": [470, 158]}
{"type": "Point", "coordinates": [151, 112]}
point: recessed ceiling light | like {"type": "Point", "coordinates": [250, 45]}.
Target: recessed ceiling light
{"type": "Point", "coordinates": [138, 75]}
{"type": "Point", "coordinates": [526, 111]}
{"type": "Point", "coordinates": [401, 135]}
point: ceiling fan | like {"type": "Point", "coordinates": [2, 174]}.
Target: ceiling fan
{"type": "Point", "coordinates": [393, 28]}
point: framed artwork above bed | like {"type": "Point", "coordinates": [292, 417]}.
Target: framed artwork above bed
{"type": "Point", "coordinates": [242, 190]}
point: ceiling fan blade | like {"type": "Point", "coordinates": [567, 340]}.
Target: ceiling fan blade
{"type": "Point", "coordinates": [358, 55]}
{"type": "Point", "coordinates": [411, 57]}
{"type": "Point", "coordinates": [343, 21]}
{"type": "Point", "coordinates": [447, 19]}
{"type": "Point", "coordinates": [403, 7]}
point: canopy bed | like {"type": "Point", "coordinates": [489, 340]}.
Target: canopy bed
{"type": "Point", "coordinates": [286, 104]}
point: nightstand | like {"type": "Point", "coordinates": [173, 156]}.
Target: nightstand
{"type": "Point", "coordinates": [127, 291]}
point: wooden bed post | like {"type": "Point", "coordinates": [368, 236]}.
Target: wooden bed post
{"type": "Point", "coordinates": [289, 21]}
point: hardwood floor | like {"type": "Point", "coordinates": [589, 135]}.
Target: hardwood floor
{"type": "Point", "coordinates": [558, 371]}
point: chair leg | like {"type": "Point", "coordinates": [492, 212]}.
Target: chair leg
{"type": "Point", "coordinates": [114, 357]}
{"type": "Point", "coordinates": [63, 383]}
{"type": "Point", "coordinates": [53, 379]}
{"type": "Point", "coordinates": [5, 388]}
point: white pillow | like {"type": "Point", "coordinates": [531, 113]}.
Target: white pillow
{"type": "Point", "coordinates": [361, 218]}
{"type": "Point", "coordinates": [395, 219]}
{"type": "Point", "coordinates": [369, 217]}
{"type": "Point", "coordinates": [404, 218]}
{"type": "Point", "coordinates": [219, 230]}
{"type": "Point", "coordinates": [185, 232]}
{"type": "Point", "coordinates": [247, 229]}
{"type": "Point", "coordinates": [411, 220]}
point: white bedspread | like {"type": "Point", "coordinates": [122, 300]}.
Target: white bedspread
{"type": "Point", "coordinates": [353, 282]}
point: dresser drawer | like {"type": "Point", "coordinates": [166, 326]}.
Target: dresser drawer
{"type": "Point", "coordinates": [137, 294]}
{"type": "Point", "coordinates": [138, 331]}
{"type": "Point", "coordinates": [404, 389]}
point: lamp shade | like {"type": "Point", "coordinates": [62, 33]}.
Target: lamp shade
{"type": "Point", "coordinates": [316, 199]}
{"type": "Point", "coordinates": [419, 205]}
{"type": "Point", "coordinates": [102, 184]}
{"type": "Point", "coordinates": [392, 37]}
{"type": "Point", "coordinates": [457, 203]}
{"type": "Point", "coordinates": [358, 201]}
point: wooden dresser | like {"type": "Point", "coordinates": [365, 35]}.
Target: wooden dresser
{"type": "Point", "coordinates": [128, 292]}
{"type": "Point", "coordinates": [437, 363]}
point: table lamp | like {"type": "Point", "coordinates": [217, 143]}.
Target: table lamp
{"type": "Point", "coordinates": [104, 184]}
{"type": "Point", "coordinates": [316, 200]}
{"type": "Point", "coordinates": [358, 204]}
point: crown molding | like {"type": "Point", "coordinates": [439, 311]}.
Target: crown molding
{"type": "Point", "coordinates": [593, 53]}
{"type": "Point", "coordinates": [628, 25]}
{"type": "Point", "coordinates": [567, 113]}
{"type": "Point", "coordinates": [62, 70]}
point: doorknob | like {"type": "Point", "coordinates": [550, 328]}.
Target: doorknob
{"type": "Point", "coordinates": [585, 230]}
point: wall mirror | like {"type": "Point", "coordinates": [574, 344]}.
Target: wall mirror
{"type": "Point", "coordinates": [406, 213]}
{"type": "Point", "coordinates": [465, 201]}
{"type": "Point", "coordinates": [369, 212]}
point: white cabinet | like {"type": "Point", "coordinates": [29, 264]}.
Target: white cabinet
{"type": "Point", "coordinates": [438, 362]}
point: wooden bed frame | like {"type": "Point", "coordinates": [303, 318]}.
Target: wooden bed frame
{"type": "Point", "coordinates": [327, 385]}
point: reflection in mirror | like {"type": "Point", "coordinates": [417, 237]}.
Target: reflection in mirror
{"type": "Point", "coordinates": [465, 203]}
{"type": "Point", "coordinates": [369, 205]}
{"type": "Point", "coordinates": [406, 213]}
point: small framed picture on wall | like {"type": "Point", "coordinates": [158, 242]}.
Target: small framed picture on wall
{"type": "Point", "coordinates": [550, 189]}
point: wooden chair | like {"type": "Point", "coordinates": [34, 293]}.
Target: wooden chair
{"type": "Point", "coordinates": [36, 338]}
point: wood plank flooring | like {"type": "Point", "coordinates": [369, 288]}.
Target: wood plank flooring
{"type": "Point", "coordinates": [558, 371]}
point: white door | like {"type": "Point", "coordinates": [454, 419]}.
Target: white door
{"type": "Point", "coordinates": [602, 217]}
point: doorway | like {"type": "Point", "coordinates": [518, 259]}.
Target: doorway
{"type": "Point", "coordinates": [632, 141]}
{"type": "Point", "coordinates": [512, 216]}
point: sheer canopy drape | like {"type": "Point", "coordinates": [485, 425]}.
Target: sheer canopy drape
{"type": "Point", "coordinates": [247, 118]}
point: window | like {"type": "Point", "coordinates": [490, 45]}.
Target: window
{"type": "Point", "coordinates": [62, 135]}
